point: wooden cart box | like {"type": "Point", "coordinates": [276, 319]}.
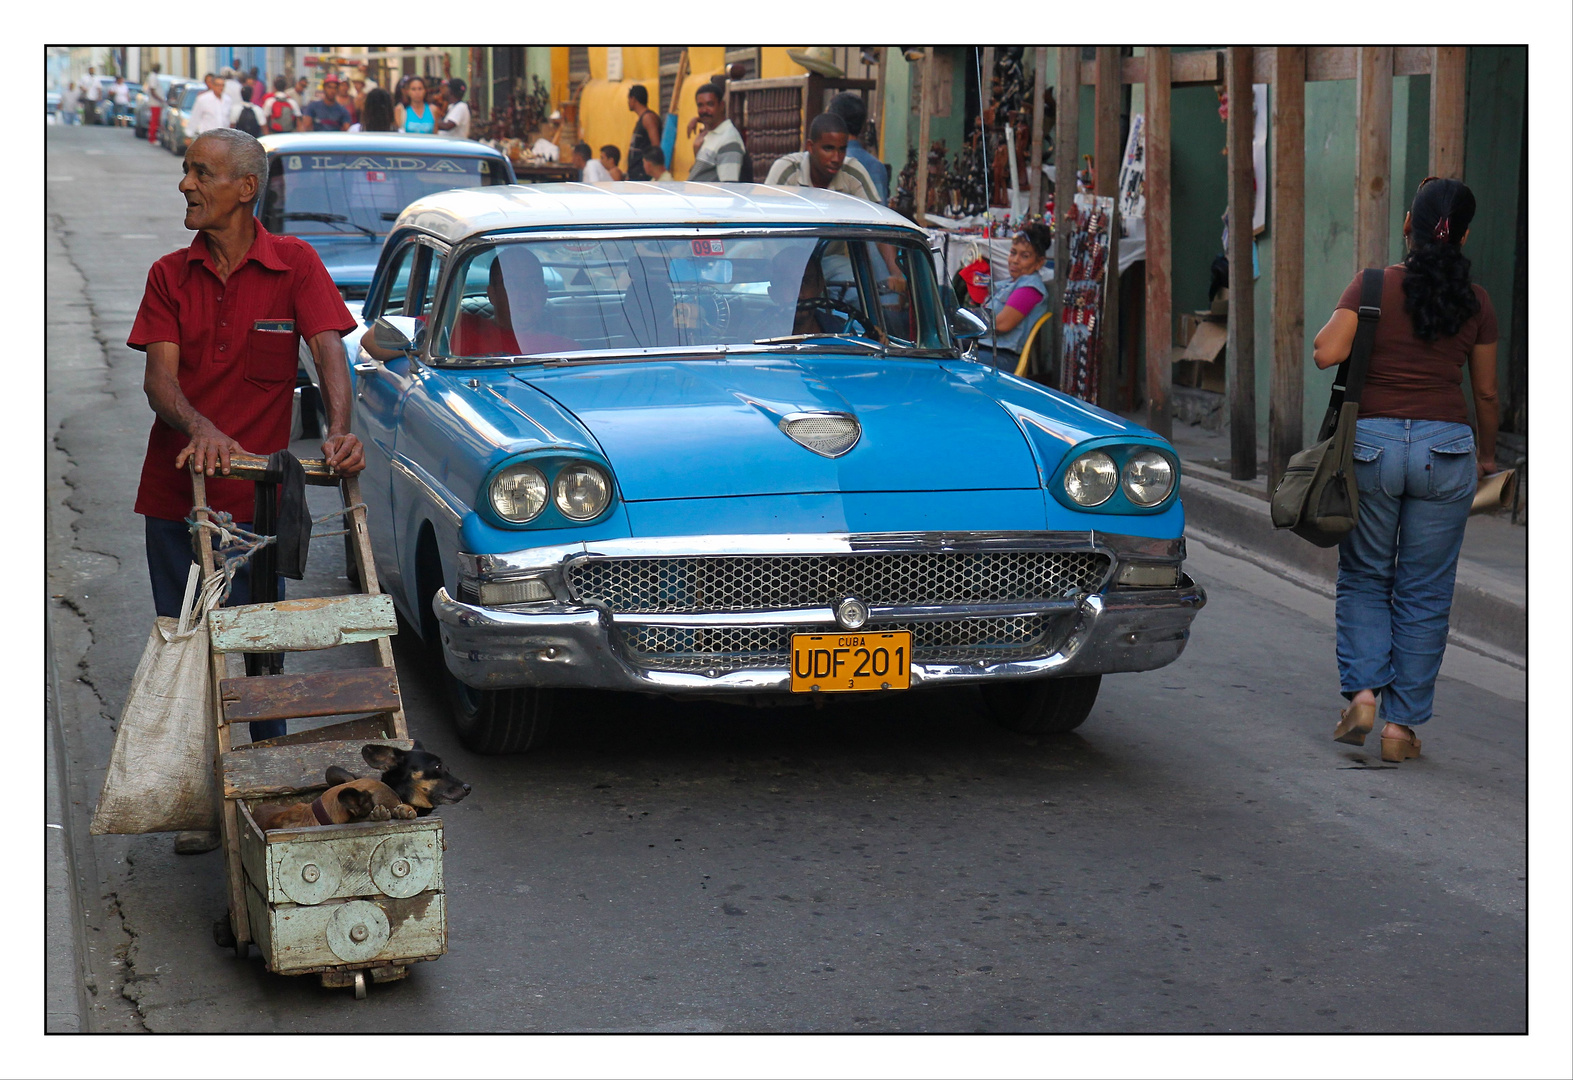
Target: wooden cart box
{"type": "Point", "coordinates": [345, 897]}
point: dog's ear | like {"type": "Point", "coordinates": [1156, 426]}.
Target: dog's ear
{"type": "Point", "coordinates": [357, 803]}
{"type": "Point", "coordinates": [382, 758]}
{"type": "Point", "coordinates": [336, 776]}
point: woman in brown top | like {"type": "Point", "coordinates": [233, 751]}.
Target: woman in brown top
{"type": "Point", "coordinates": [1416, 463]}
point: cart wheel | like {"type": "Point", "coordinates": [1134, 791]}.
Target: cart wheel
{"type": "Point", "coordinates": [360, 986]}
{"type": "Point", "coordinates": [223, 933]}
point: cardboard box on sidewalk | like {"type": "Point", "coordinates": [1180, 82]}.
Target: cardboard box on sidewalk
{"type": "Point", "coordinates": [1200, 363]}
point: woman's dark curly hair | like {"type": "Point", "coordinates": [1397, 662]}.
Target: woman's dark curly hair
{"type": "Point", "coordinates": [1437, 292]}
{"type": "Point", "coordinates": [1038, 236]}
{"type": "Point", "coordinates": [376, 114]}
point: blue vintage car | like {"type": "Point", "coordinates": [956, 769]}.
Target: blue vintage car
{"type": "Point", "coordinates": [694, 439]}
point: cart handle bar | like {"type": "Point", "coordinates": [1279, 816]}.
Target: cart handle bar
{"type": "Point", "coordinates": [252, 467]}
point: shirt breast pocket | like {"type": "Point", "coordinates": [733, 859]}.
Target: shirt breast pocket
{"type": "Point", "coordinates": [272, 352]}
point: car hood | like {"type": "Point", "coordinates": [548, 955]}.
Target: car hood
{"type": "Point", "coordinates": [350, 260]}
{"type": "Point", "coordinates": [710, 428]}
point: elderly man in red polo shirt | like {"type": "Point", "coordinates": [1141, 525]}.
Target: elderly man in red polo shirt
{"type": "Point", "coordinates": [221, 322]}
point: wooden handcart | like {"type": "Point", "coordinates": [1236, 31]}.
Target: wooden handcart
{"type": "Point", "coordinates": [348, 902]}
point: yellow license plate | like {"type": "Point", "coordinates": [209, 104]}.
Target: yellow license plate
{"type": "Point", "coordinates": [838, 663]}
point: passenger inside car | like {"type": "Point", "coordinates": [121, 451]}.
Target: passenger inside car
{"type": "Point", "coordinates": [516, 287]}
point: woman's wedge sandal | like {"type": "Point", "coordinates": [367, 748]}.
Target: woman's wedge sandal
{"type": "Point", "coordinates": [1400, 749]}
{"type": "Point", "coordinates": [1354, 724]}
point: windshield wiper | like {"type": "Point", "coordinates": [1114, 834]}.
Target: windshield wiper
{"type": "Point", "coordinates": [331, 219]}
{"type": "Point", "coordinates": [830, 340]}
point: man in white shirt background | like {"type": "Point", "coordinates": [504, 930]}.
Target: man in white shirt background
{"type": "Point", "coordinates": [92, 90]}
{"type": "Point", "coordinates": [230, 90]}
{"type": "Point", "coordinates": [456, 121]}
{"type": "Point", "coordinates": [122, 98]}
{"type": "Point", "coordinates": [591, 171]}
{"type": "Point", "coordinates": [209, 111]}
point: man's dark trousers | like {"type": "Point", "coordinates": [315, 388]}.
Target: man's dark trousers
{"type": "Point", "coordinates": [168, 565]}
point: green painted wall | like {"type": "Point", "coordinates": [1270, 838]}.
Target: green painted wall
{"type": "Point", "coordinates": [901, 114]}
{"type": "Point", "coordinates": [1498, 85]}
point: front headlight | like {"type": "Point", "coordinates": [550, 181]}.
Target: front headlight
{"type": "Point", "coordinates": [518, 493]}
{"type": "Point", "coordinates": [1148, 478]}
{"type": "Point", "coordinates": [1091, 479]}
{"type": "Point", "coordinates": [581, 492]}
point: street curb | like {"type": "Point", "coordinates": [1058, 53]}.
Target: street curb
{"type": "Point", "coordinates": [1230, 510]}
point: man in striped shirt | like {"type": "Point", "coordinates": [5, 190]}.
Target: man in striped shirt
{"type": "Point", "coordinates": [718, 145]}
{"type": "Point", "coordinates": [824, 164]}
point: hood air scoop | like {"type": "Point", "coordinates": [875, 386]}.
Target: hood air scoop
{"type": "Point", "coordinates": [828, 434]}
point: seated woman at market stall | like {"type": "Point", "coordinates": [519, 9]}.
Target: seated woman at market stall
{"type": "Point", "coordinates": [1019, 302]}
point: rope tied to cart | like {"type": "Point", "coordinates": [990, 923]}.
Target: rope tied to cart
{"type": "Point", "coordinates": [236, 545]}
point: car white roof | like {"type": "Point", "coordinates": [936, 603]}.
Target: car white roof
{"type": "Point", "coordinates": [455, 215]}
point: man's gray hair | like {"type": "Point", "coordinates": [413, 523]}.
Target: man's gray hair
{"type": "Point", "coordinates": [243, 153]}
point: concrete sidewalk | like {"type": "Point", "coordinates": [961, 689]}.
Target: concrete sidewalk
{"type": "Point", "coordinates": [1489, 598]}
{"type": "Point", "coordinates": [63, 948]}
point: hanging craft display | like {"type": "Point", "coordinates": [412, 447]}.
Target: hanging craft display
{"type": "Point", "coordinates": [1133, 174]}
{"type": "Point", "coordinates": [1087, 233]}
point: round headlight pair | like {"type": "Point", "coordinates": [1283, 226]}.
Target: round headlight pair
{"type": "Point", "coordinates": [580, 492]}
{"type": "Point", "coordinates": [1147, 478]}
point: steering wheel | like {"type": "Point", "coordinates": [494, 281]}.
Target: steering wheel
{"type": "Point", "coordinates": [829, 306]}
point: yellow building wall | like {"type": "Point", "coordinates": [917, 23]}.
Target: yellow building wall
{"type": "Point", "coordinates": [774, 63]}
{"type": "Point", "coordinates": [604, 116]}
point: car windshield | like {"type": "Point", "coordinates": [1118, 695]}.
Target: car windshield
{"type": "Point", "coordinates": [317, 193]}
{"type": "Point", "coordinates": [526, 298]}
{"type": "Point", "coordinates": [189, 98]}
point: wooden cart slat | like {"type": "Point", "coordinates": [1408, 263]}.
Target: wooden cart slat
{"type": "Point", "coordinates": [323, 693]}
{"type": "Point", "coordinates": [318, 622]}
{"type": "Point", "coordinates": [285, 770]}
{"type": "Point", "coordinates": [363, 729]}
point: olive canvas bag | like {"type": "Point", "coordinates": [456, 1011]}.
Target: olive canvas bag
{"type": "Point", "coordinates": [1317, 497]}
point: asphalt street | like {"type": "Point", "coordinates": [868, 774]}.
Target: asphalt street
{"type": "Point", "coordinates": [1198, 857]}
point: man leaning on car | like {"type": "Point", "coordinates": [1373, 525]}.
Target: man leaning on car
{"type": "Point", "coordinates": [220, 322]}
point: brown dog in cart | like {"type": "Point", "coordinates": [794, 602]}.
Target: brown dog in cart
{"type": "Point", "coordinates": [348, 902]}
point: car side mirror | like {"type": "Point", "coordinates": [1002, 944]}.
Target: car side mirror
{"type": "Point", "coordinates": [398, 333]}
{"type": "Point", "coordinates": [967, 329]}
{"type": "Point", "coordinates": [966, 326]}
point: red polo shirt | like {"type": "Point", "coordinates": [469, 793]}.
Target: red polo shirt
{"type": "Point", "coordinates": [239, 341]}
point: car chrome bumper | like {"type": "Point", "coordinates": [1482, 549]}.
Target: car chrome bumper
{"type": "Point", "coordinates": [566, 644]}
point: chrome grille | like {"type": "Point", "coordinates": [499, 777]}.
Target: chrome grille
{"type": "Point", "coordinates": [730, 648]}
{"type": "Point", "coordinates": [781, 582]}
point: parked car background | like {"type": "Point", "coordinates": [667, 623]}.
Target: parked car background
{"type": "Point", "coordinates": [341, 192]}
{"type": "Point", "coordinates": [680, 440]}
{"type": "Point", "coordinates": [175, 137]}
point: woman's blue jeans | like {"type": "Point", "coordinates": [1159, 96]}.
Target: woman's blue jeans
{"type": "Point", "coordinates": [1396, 569]}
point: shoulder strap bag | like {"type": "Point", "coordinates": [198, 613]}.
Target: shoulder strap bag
{"type": "Point", "coordinates": [1317, 497]}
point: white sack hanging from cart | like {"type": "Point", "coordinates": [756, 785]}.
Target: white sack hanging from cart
{"type": "Point", "coordinates": [160, 776]}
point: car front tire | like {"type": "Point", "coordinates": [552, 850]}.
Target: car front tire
{"type": "Point", "coordinates": [1042, 706]}
{"type": "Point", "coordinates": [500, 721]}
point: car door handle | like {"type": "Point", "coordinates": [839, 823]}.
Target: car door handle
{"type": "Point", "coordinates": [366, 367]}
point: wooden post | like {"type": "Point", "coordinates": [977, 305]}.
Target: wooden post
{"type": "Point", "coordinates": [1448, 95]}
{"type": "Point", "coordinates": [1160, 294]}
{"type": "Point", "coordinates": [1067, 123]}
{"type": "Point", "coordinates": [1242, 313]}
{"type": "Point", "coordinates": [1107, 154]}
{"type": "Point", "coordinates": [1285, 428]}
{"type": "Point", "coordinates": [925, 107]}
{"type": "Point", "coordinates": [1035, 148]}
{"type": "Point", "coordinates": [1373, 155]}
